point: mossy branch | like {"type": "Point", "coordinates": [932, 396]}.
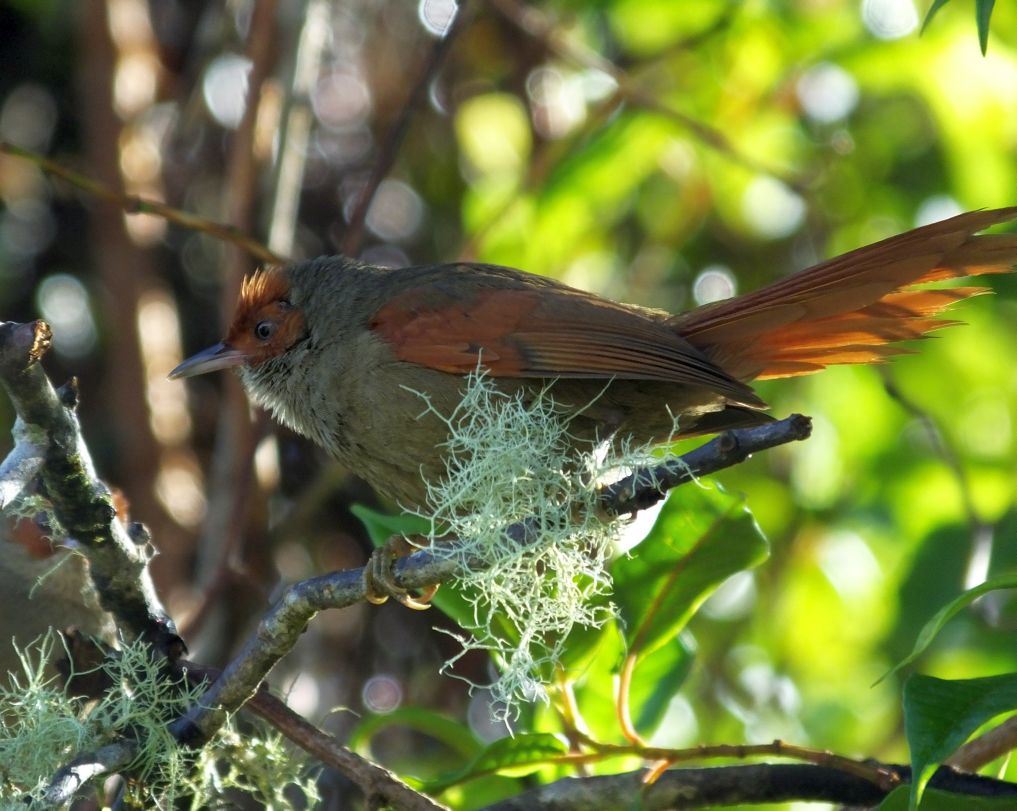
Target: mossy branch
{"type": "Point", "coordinates": [118, 555]}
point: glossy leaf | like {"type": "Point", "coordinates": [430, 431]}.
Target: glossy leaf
{"type": "Point", "coordinates": [983, 13]}
{"type": "Point", "coordinates": [948, 612]}
{"type": "Point", "coordinates": [428, 722]}
{"type": "Point", "coordinates": [516, 756]}
{"type": "Point", "coordinates": [382, 526]}
{"type": "Point", "coordinates": [657, 679]}
{"type": "Point", "coordinates": [940, 715]}
{"type": "Point", "coordinates": [703, 536]}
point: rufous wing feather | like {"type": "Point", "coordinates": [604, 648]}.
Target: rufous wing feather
{"type": "Point", "coordinates": [547, 332]}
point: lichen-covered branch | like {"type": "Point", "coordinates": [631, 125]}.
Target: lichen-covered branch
{"type": "Point", "coordinates": [279, 630]}
{"type": "Point", "coordinates": [21, 465]}
{"type": "Point", "coordinates": [118, 559]}
{"type": "Point", "coordinates": [644, 488]}
{"type": "Point", "coordinates": [377, 783]}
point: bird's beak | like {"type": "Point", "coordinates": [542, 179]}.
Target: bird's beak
{"type": "Point", "coordinates": [220, 356]}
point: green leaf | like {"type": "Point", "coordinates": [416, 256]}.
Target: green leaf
{"type": "Point", "coordinates": [452, 733]}
{"type": "Point", "coordinates": [983, 12]}
{"type": "Point", "coordinates": [936, 6]}
{"type": "Point", "coordinates": [657, 679]}
{"type": "Point", "coordinates": [935, 800]}
{"type": "Point", "coordinates": [948, 612]}
{"type": "Point", "coordinates": [939, 715]}
{"type": "Point", "coordinates": [585, 642]}
{"type": "Point", "coordinates": [702, 537]}
{"type": "Point", "coordinates": [513, 757]}
{"type": "Point", "coordinates": [380, 526]}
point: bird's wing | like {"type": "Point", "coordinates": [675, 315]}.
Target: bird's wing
{"type": "Point", "coordinates": [525, 329]}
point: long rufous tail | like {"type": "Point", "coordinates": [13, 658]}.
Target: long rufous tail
{"type": "Point", "coordinates": [849, 309]}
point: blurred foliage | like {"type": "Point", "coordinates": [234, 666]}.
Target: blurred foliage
{"type": "Point", "coordinates": [654, 151]}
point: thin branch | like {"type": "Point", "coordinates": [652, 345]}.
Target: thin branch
{"type": "Point", "coordinates": [374, 781]}
{"type": "Point", "coordinates": [236, 438]}
{"type": "Point", "coordinates": [390, 148]}
{"type": "Point", "coordinates": [132, 204]}
{"type": "Point", "coordinates": [685, 789]}
{"type": "Point", "coordinates": [536, 23]}
{"type": "Point", "coordinates": [296, 127]}
{"type": "Point", "coordinates": [986, 748]}
{"type": "Point", "coordinates": [644, 488]}
{"type": "Point", "coordinates": [81, 502]}
{"type": "Point", "coordinates": [285, 621]}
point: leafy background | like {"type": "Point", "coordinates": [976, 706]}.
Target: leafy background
{"type": "Point", "coordinates": [657, 152]}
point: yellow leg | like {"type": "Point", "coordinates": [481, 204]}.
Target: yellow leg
{"type": "Point", "coordinates": [379, 583]}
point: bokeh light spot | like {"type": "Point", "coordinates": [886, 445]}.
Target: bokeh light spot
{"type": "Point", "coordinates": [396, 211]}
{"type": "Point", "coordinates": [771, 208]}
{"type": "Point", "coordinates": [181, 491]}
{"type": "Point", "coordinates": [827, 93]}
{"type": "Point", "coordinates": [28, 117]}
{"type": "Point", "coordinates": [889, 19]}
{"type": "Point", "coordinates": [437, 15]}
{"type": "Point", "coordinates": [27, 227]}
{"type": "Point", "coordinates": [63, 302]}
{"type": "Point", "coordinates": [936, 208]}
{"type": "Point", "coordinates": [494, 133]}
{"type": "Point", "coordinates": [382, 693]}
{"type": "Point", "coordinates": [341, 100]}
{"type": "Point", "coordinates": [224, 89]}
{"type": "Point", "coordinates": [849, 565]}
{"type": "Point", "coordinates": [734, 599]}
{"type": "Point", "coordinates": [714, 283]}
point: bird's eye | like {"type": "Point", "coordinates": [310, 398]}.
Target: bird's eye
{"type": "Point", "coordinates": [264, 329]}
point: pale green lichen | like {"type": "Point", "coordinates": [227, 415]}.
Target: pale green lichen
{"type": "Point", "coordinates": [43, 729]}
{"type": "Point", "coordinates": [510, 458]}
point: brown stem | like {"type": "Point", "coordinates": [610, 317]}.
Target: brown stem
{"type": "Point", "coordinates": [377, 783]}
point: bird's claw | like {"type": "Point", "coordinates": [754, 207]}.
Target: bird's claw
{"type": "Point", "coordinates": [379, 582]}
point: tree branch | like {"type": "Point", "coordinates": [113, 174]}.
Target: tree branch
{"type": "Point", "coordinates": [279, 630]}
{"type": "Point", "coordinates": [376, 782]}
{"type": "Point", "coordinates": [686, 789]}
{"type": "Point", "coordinates": [118, 559]}
{"type": "Point", "coordinates": [132, 204]}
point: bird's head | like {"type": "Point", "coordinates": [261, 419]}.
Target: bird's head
{"type": "Point", "coordinates": [265, 325]}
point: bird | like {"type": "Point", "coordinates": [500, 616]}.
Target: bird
{"type": "Point", "coordinates": [342, 351]}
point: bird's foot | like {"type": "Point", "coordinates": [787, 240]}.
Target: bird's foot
{"type": "Point", "coordinates": [379, 582]}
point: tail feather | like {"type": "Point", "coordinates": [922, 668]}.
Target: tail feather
{"type": "Point", "coordinates": [847, 310]}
